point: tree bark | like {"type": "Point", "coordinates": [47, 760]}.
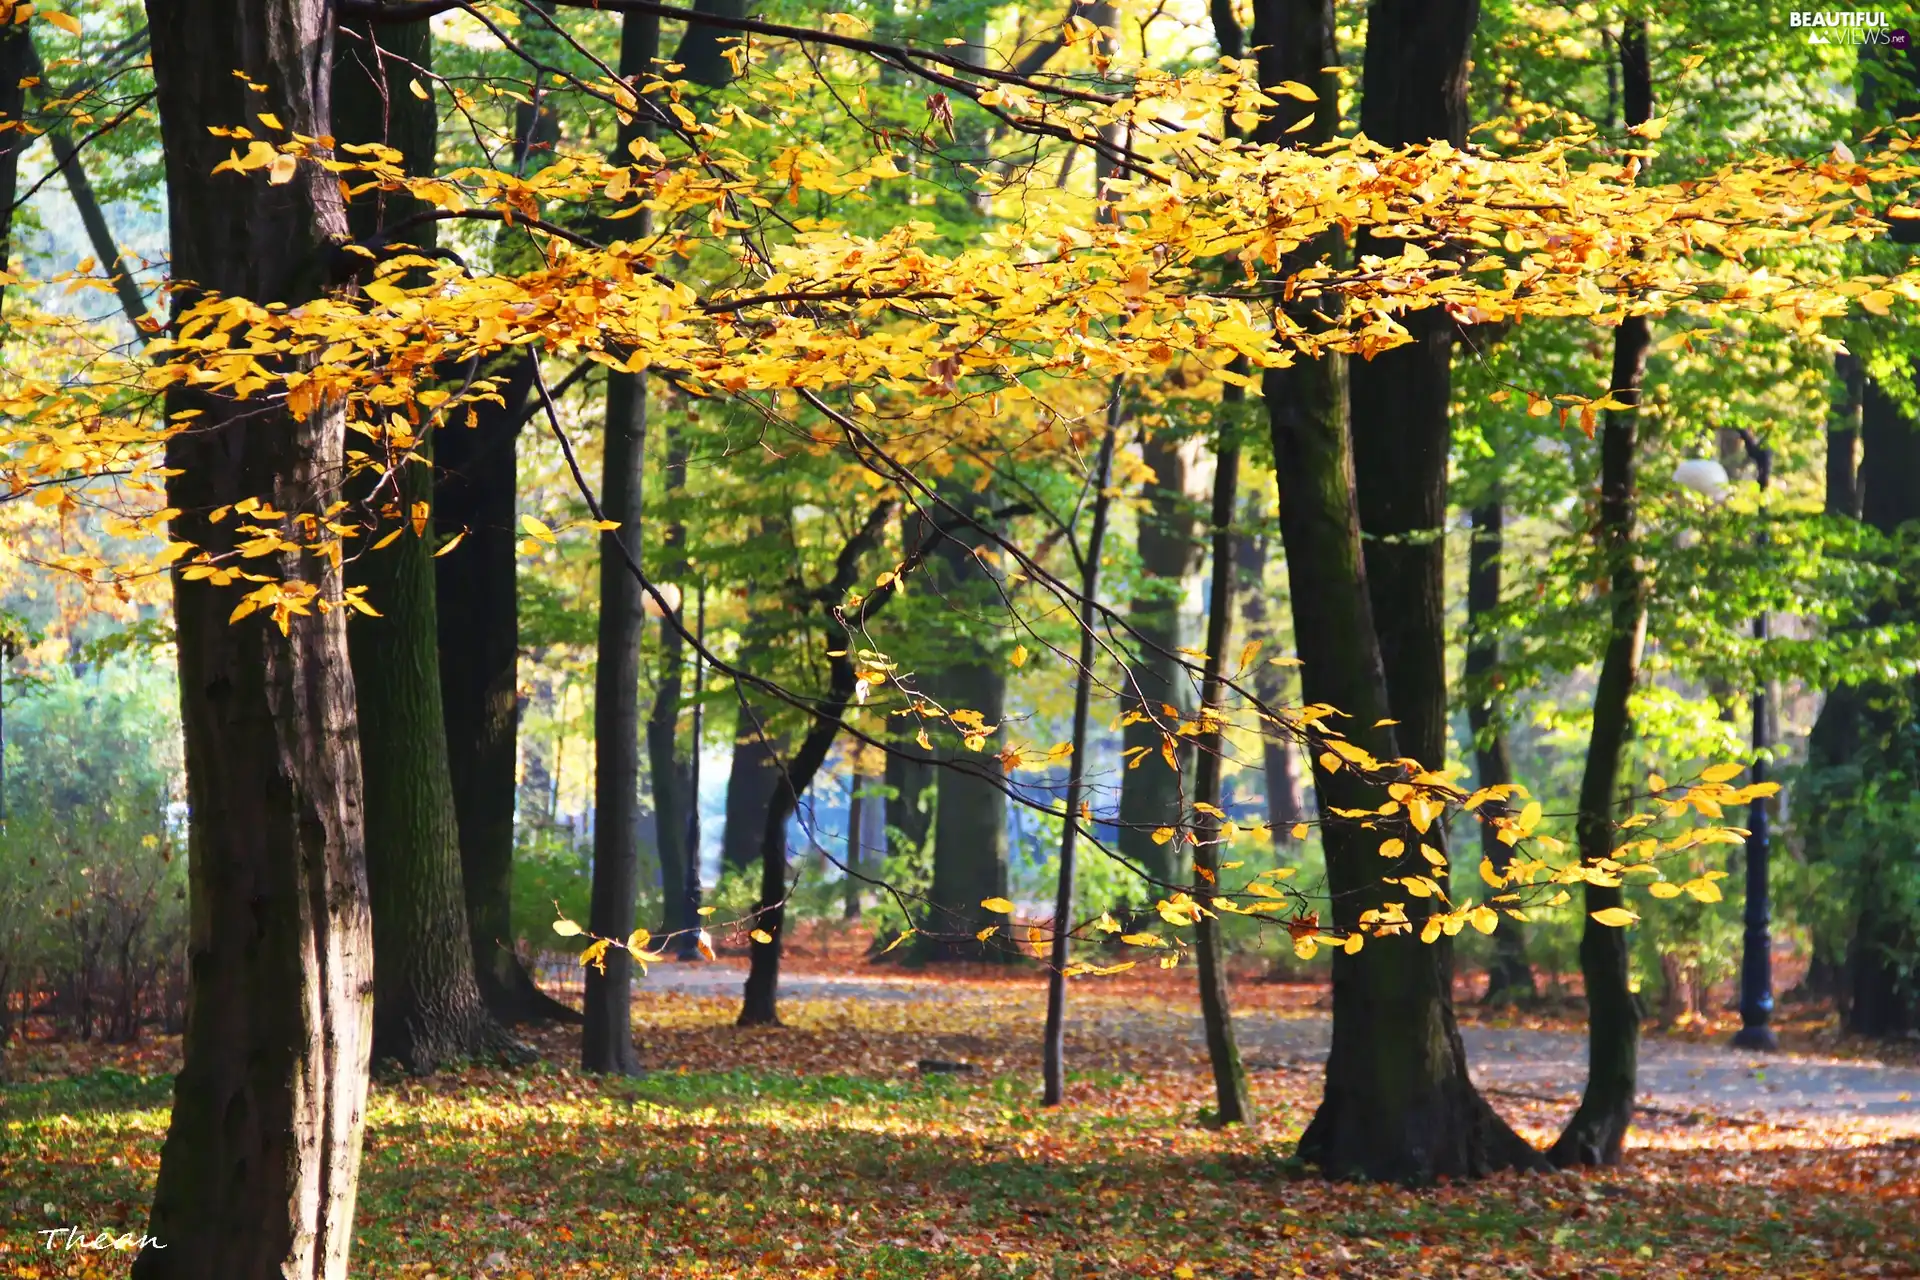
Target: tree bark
{"type": "Point", "coordinates": [1053, 1054]}
{"type": "Point", "coordinates": [1398, 1104]}
{"type": "Point", "coordinates": [1151, 794]}
{"type": "Point", "coordinates": [1510, 975]}
{"type": "Point", "coordinates": [673, 798]}
{"type": "Point", "coordinates": [1843, 439]}
{"type": "Point", "coordinates": [752, 776]}
{"type": "Point", "coordinates": [703, 48]}
{"type": "Point", "coordinates": [258, 1173]}
{"type": "Point", "coordinates": [16, 59]}
{"type": "Point", "coordinates": [1597, 1132]}
{"type": "Point", "coordinates": [1223, 1050]}
{"type": "Point", "coordinates": [427, 1008]}
{"type": "Point", "coordinates": [970, 819]}
{"type": "Point", "coordinates": [606, 1041]}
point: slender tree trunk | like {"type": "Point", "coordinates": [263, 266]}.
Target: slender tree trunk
{"type": "Point", "coordinates": [1398, 1105]}
{"type": "Point", "coordinates": [16, 60]}
{"type": "Point", "coordinates": [1223, 1051]}
{"type": "Point", "coordinates": [1053, 1066]}
{"type": "Point", "coordinates": [1151, 794]}
{"type": "Point", "coordinates": [1510, 975]}
{"type": "Point", "coordinates": [1843, 439]}
{"type": "Point", "coordinates": [427, 1008]}
{"type": "Point", "coordinates": [606, 1042]}
{"type": "Point", "coordinates": [262, 1156]}
{"type": "Point", "coordinates": [1278, 769]}
{"type": "Point", "coordinates": [856, 853]}
{"type": "Point", "coordinates": [1598, 1130]}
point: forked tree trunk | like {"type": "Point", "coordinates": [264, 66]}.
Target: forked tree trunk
{"type": "Point", "coordinates": [1597, 1132]}
{"type": "Point", "coordinates": [262, 1156]}
{"type": "Point", "coordinates": [760, 1003]}
{"type": "Point", "coordinates": [427, 1008]}
{"type": "Point", "coordinates": [1223, 1050]}
{"type": "Point", "coordinates": [1151, 793]}
{"type": "Point", "coordinates": [1398, 1105]}
{"type": "Point", "coordinates": [606, 1041]}
{"type": "Point", "coordinates": [1510, 976]}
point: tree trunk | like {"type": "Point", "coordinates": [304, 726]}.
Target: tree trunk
{"type": "Point", "coordinates": [1279, 772]}
{"type": "Point", "coordinates": [752, 777]}
{"type": "Point", "coordinates": [1151, 794]}
{"type": "Point", "coordinates": [970, 821]}
{"type": "Point", "coordinates": [1053, 1053]}
{"type": "Point", "coordinates": [1598, 1129]}
{"type": "Point", "coordinates": [1510, 975]}
{"type": "Point", "coordinates": [16, 58]}
{"type": "Point", "coordinates": [262, 1156]}
{"type": "Point", "coordinates": [703, 48]}
{"type": "Point", "coordinates": [427, 1008]}
{"type": "Point", "coordinates": [1843, 439]}
{"type": "Point", "coordinates": [1223, 1051]}
{"type": "Point", "coordinates": [1398, 1104]}
{"type": "Point", "coordinates": [760, 1005]}
{"type": "Point", "coordinates": [856, 864]}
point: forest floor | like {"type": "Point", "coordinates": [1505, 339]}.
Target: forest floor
{"type": "Point", "coordinates": [829, 1148]}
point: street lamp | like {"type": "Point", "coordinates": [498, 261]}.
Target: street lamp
{"type": "Point", "coordinates": [1707, 477]}
{"type": "Point", "coordinates": [1756, 954]}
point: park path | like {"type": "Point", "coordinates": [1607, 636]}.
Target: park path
{"type": "Point", "coordinates": [1676, 1076]}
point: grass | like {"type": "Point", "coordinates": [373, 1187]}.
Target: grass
{"type": "Point", "coordinates": [818, 1151]}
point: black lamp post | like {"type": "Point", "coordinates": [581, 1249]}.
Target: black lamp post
{"type": "Point", "coordinates": [1756, 959]}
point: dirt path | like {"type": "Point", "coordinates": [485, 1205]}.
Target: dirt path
{"type": "Point", "coordinates": [1675, 1076]}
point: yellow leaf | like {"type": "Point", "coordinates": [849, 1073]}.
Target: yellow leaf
{"type": "Point", "coordinates": [66, 22]}
{"type": "Point", "coordinates": [1306, 947]}
{"type": "Point", "coordinates": [1019, 655]}
{"type": "Point", "coordinates": [566, 928]}
{"type": "Point", "coordinates": [762, 937]}
{"type": "Point", "coordinates": [1492, 877]}
{"type": "Point", "coordinates": [703, 942]}
{"type": "Point", "coordinates": [1304, 122]}
{"type": "Point", "coordinates": [538, 528]}
{"type": "Point", "coordinates": [1614, 917]}
{"type": "Point", "coordinates": [281, 171]}
{"type": "Point", "coordinates": [1299, 831]}
{"type": "Point", "coordinates": [451, 543]}
{"type": "Point", "coordinates": [1721, 772]}
{"type": "Point", "coordinates": [706, 911]}
{"type": "Point", "coordinates": [1284, 661]}
{"type": "Point", "coordinates": [1249, 653]}
{"type": "Point", "coordinates": [595, 955]}
{"type": "Point", "coordinates": [864, 402]}
{"type": "Point", "coordinates": [418, 90]}
{"type": "Point", "coordinates": [1484, 918]}
{"type": "Point", "coordinates": [1703, 889]}
{"type": "Point", "coordinates": [1143, 940]}
{"type": "Point", "coordinates": [1664, 889]}
{"type": "Point", "coordinates": [1162, 834]}
{"type": "Point", "coordinates": [987, 932]}
{"type": "Point", "coordinates": [386, 540]}
{"type": "Point", "coordinates": [1392, 848]}
{"type": "Point", "coordinates": [1294, 89]}
{"type": "Point", "coordinates": [1353, 943]}
{"type": "Point", "coordinates": [997, 904]}
{"type": "Point", "coordinates": [899, 938]}
{"type": "Point", "coordinates": [1106, 923]}
{"type": "Point", "coordinates": [638, 940]}
{"type": "Point", "coordinates": [270, 120]}
{"type": "Point", "coordinates": [1656, 783]}
{"type": "Point", "coordinates": [1431, 929]}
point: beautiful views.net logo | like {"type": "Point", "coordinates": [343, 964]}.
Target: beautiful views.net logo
{"type": "Point", "coordinates": [1849, 27]}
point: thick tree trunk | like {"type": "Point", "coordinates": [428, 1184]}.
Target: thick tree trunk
{"type": "Point", "coordinates": [970, 820]}
{"type": "Point", "coordinates": [1223, 1050]}
{"type": "Point", "coordinates": [1510, 975]}
{"type": "Point", "coordinates": [1398, 1104]}
{"type": "Point", "coordinates": [427, 1008]}
{"type": "Point", "coordinates": [262, 1155]}
{"type": "Point", "coordinates": [1151, 794]}
{"type": "Point", "coordinates": [1598, 1129]}
{"type": "Point", "coordinates": [474, 495]}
